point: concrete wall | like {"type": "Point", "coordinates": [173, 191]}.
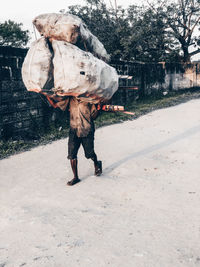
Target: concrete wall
{"type": "Point", "coordinates": [24, 114]}
{"type": "Point", "coordinates": [161, 77]}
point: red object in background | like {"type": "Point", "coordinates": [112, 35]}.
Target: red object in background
{"type": "Point", "coordinates": [114, 108]}
{"type": "Point", "coordinates": [110, 108]}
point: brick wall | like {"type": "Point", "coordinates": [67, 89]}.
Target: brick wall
{"type": "Point", "coordinates": [21, 113]}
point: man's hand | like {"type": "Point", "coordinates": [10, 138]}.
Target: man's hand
{"type": "Point", "coordinates": [95, 111]}
{"type": "Point", "coordinates": [52, 103]}
{"type": "Point", "coordinates": [57, 102]}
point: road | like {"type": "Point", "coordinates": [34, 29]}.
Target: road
{"type": "Point", "coordinates": [144, 211]}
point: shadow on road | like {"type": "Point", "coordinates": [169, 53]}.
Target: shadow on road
{"type": "Point", "coordinates": [153, 148]}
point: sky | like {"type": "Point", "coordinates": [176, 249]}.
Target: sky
{"type": "Point", "coordinates": [25, 10]}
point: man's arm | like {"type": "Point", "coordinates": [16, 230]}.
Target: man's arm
{"type": "Point", "coordinates": [95, 112]}
{"type": "Point", "coordinates": [63, 104]}
{"type": "Point", "coordinates": [57, 102]}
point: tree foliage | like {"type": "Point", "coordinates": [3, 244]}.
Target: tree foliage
{"type": "Point", "coordinates": [11, 34]}
{"type": "Point", "coordinates": [107, 24]}
{"type": "Point", "coordinates": [182, 20]}
{"type": "Point", "coordinates": [164, 31]}
{"type": "Point", "coordinates": [147, 39]}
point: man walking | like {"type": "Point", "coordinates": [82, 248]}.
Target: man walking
{"type": "Point", "coordinates": [82, 116]}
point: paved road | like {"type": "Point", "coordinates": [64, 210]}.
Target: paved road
{"type": "Point", "coordinates": [143, 212]}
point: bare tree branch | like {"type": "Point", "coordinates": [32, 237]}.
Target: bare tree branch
{"type": "Point", "coordinates": [111, 4]}
{"type": "Point", "coordinates": [194, 52]}
{"type": "Point", "coordinates": [191, 31]}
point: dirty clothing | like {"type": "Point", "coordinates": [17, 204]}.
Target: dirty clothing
{"type": "Point", "coordinates": [81, 128]}
{"type": "Point", "coordinates": [81, 125]}
{"type": "Point", "coordinates": [81, 117]}
{"type": "Point", "coordinates": [74, 143]}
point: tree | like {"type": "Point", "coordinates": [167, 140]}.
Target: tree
{"type": "Point", "coordinates": [147, 39]}
{"type": "Point", "coordinates": [182, 19]}
{"type": "Point", "coordinates": [108, 24]}
{"type": "Point", "coordinates": [163, 31]}
{"type": "Point", "coordinates": [137, 33]}
{"type": "Point", "coordinates": [11, 34]}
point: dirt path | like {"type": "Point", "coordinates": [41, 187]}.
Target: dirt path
{"type": "Point", "coordinates": [144, 210]}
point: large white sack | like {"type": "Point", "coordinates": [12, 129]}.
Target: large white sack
{"type": "Point", "coordinates": [68, 27]}
{"type": "Point", "coordinates": [80, 74]}
{"type": "Point", "coordinates": [37, 68]}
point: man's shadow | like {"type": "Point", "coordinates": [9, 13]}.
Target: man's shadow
{"type": "Point", "coordinates": [151, 149]}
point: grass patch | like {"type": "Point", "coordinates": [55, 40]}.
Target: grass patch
{"type": "Point", "coordinates": [139, 107]}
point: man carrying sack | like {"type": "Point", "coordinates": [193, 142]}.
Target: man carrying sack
{"type": "Point", "coordinates": [67, 75]}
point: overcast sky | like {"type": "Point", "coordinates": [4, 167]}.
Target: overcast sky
{"type": "Point", "coordinates": [25, 10]}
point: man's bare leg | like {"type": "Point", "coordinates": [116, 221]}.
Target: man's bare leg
{"type": "Point", "coordinates": [97, 165]}
{"type": "Point", "coordinates": [74, 165]}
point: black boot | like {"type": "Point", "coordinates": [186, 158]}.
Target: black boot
{"type": "Point", "coordinates": [97, 166]}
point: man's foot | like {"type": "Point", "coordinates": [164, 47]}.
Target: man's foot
{"type": "Point", "coordinates": [98, 168]}
{"type": "Point", "coordinates": [73, 181]}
